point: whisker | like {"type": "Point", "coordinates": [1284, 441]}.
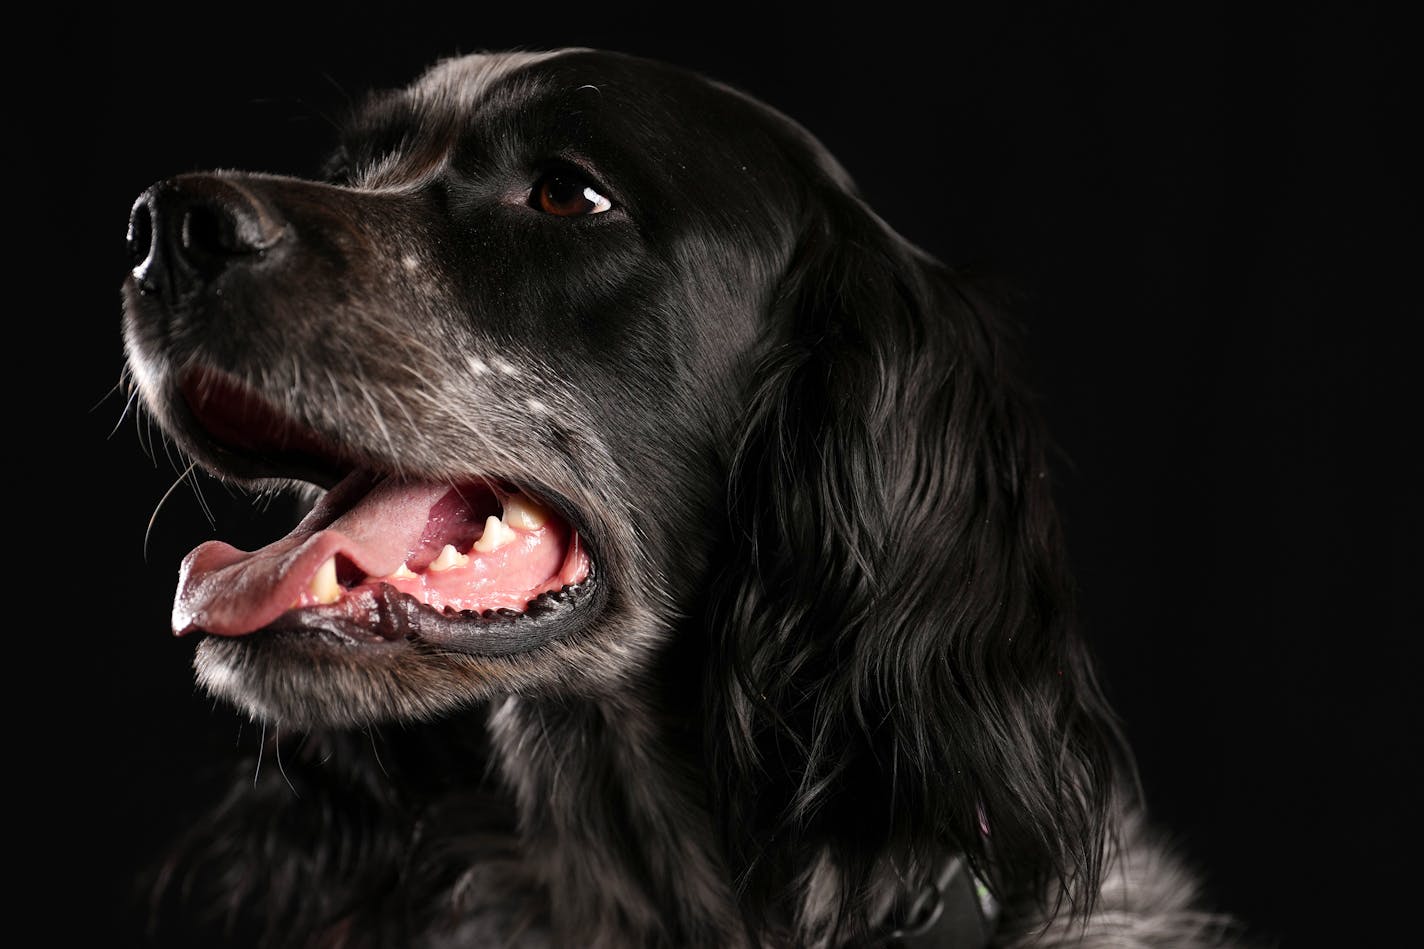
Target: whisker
{"type": "Point", "coordinates": [123, 413]}
{"type": "Point", "coordinates": [159, 506]}
{"type": "Point", "coordinates": [277, 750]}
{"type": "Point", "coordinates": [202, 499]}
{"type": "Point", "coordinates": [145, 436]}
{"type": "Point", "coordinates": [261, 746]}
{"type": "Point", "coordinates": [376, 751]}
{"type": "Point", "coordinates": [116, 387]}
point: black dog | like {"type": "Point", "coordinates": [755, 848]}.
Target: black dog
{"type": "Point", "coordinates": [685, 528]}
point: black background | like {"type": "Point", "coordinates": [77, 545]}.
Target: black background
{"type": "Point", "coordinates": [1204, 215]}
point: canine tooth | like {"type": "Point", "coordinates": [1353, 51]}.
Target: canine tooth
{"type": "Point", "coordinates": [404, 573]}
{"type": "Point", "coordinates": [520, 511]}
{"type": "Point", "coordinates": [449, 557]}
{"type": "Point", "coordinates": [323, 587]}
{"type": "Point", "coordinates": [496, 535]}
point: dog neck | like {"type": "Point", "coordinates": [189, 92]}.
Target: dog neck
{"type": "Point", "coordinates": [611, 815]}
{"type": "Point", "coordinates": [611, 801]}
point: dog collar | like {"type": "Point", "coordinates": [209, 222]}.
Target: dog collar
{"type": "Point", "coordinates": [954, 910]}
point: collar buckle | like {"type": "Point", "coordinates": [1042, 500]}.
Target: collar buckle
{"type": "Point", "coordinates": [954, 910]}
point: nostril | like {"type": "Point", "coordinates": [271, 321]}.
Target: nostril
{"type": "Point", "coordinates": [208, 231]}
{"type": "Point", "coordinates": [140, 237]}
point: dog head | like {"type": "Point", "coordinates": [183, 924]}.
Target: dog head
{"type": "Point", "coordinates": [589, 352]}
{"type": "Point", "coordinates": [528, 290]}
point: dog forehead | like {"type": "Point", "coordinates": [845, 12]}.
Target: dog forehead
{"type": "Point", "coordinates": [645, 95]}
{"type": "Point", "coordinates": [491, 110]}
{"type": "Point", "coordinates": [459, 83]}
{"type": "Point", "coordinates": [668, 135]}
{"type": "Point", "coordinates": [504, 98]}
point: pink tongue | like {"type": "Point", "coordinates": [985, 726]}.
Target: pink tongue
{"type": "Point", "coordinates": [231, 592]}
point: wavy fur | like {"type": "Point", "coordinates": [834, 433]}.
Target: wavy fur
{"type": "Point", "coordinates": [850, 646]}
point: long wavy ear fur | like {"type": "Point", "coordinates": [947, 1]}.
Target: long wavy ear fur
{"type": "Point", "coordinates": [893, 667]}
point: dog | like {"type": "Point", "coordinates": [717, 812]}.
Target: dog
{"type": "Point", "coordinates": [680, 566]}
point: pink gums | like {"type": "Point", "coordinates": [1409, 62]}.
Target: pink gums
{"type": "Point", "coordinates": [374, 530]}
{"type": "Point", "coordinates": [535, 562]}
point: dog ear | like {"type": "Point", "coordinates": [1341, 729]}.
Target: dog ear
{"type": "Point", "coordinates": [893, 668]}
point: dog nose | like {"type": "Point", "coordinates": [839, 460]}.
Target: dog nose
{"type": "Point", "coordinates": [184, 232]}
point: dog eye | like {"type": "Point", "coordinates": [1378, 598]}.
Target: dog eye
{"type": "Point", "coordinates": [565, 194]}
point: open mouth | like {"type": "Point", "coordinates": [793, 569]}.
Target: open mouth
{"type": "Point", "coordinates": [475, 564]}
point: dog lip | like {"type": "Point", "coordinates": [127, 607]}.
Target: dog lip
{"type": "Point", "coordinates": [244, 427]}
{"type": "Point", "coordinates": [394, 620]}
{"type": "Point", "coordinates": [373, 525]}
{"type": "Point", "coordinates": [243, 431]}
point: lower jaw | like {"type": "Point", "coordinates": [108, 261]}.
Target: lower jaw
{"type": "Point", "coordinates": [387, 617]}
{"type": "Point", "coordinates": [324, 672]}
{"type": "Point", "coordinates": [308, 679]}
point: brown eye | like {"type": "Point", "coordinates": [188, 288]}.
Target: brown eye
{"type": "Point", "coordinates": [565, 194]}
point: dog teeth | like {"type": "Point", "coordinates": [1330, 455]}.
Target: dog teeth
{"type": "Point", "coordinates": [323, 587]}
{"type": "Point", "coordinates": [450, 558]}
{"type": "Point", "coordinates": [404, 573]}
{"type": "Point", "coordinates": [525, 513]}
{"type": "Point", "coordinates": [496, 535]}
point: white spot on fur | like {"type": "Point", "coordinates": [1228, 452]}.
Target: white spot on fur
{"type": "Point", "coordinates": [477, 365]}
{"type": "Point", "coordinates": [410, 263]}
{"type": "Point", "coordinates": [537, 407]}
{"type": "Point", "coordinates": [507, 368]}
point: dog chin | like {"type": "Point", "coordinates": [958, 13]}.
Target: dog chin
{"type": "Point", "coordinates": [314, 679]}
{"type": "Point", "coordinates": [308, 680]}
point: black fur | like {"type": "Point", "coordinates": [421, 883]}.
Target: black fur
{"type": "Point", "coordinates": [834, 638]}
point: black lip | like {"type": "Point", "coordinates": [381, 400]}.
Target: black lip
{"type": "Point", "coordinates": [389, 618]}
{"type": "Point", "coordinates": [394, 618]}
